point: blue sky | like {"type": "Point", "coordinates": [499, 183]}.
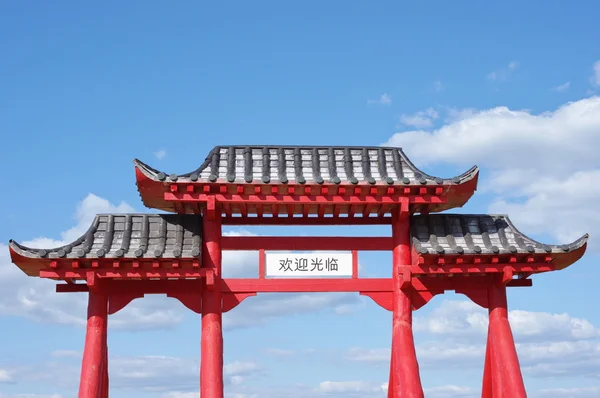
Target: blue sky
{"type": "Point", "coordinates": [85, 89]}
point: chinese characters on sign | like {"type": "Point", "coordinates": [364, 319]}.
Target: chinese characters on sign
{"type": "Point", "coordinates": [308, 264]}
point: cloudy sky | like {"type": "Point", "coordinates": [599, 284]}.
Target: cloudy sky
{"type": "Point", "coordinates": [511, 87]}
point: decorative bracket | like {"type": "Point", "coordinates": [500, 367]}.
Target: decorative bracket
{"type": "Point", "coordinates": [116, 302]}
{"type": "Point", "coordinates": [404, 277]}
{"type": "Point", "coordinates": [383, 299]}
{"type": "Point", "coordinates": [232, 300]}
{"type": "Point", "coordinates": [507, 275]}
{"type": "Point", "coordinates": [404, 209]}
{"type": "Point", "coordinates": [192, 301]}
{"type": "Point", "coordinates": [93, 281]}
{"type": "Point", "coordinates": [211, 208]}
{"type": "Point", "coordinates": [210, 280]}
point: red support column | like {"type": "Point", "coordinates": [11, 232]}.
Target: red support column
{"type": "Point", "coordinates": [211, 365]}
{"type": "Point", "coordinates": [390, 392]}
{"type": "Point", "coordinates": [486, 390]}
{"type": "Point", "coordinates": [406, 381]}
{"type": "Point", "coordinates": [92, 376]}
{"type": "Point", "coordinates": [105, 369]}
{"type": "Point", "coordinates": [507, 380]}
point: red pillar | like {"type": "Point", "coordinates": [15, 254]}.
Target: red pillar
{"type": "Point", "coordinates": [406, 379]}
{"type": "Point", "coordinates": [486, 390]}
{"type": "Point", "coordinates": [92, 375]}
{"type": "Point", "coordinates": [507, 380]}
{"type": "Point", "coordinates": [390, 392]}
{"type": "Point", "coordinates": [105, 369]}
{"type": "Point", "coordinates": [211, 365]}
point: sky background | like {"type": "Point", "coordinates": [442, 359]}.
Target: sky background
{"type": "Point", "coordinates": [86, 88]}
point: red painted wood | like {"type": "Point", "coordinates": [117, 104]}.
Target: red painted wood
{"type": "Point", "coordinates": [486, 390]}
{"type": "Point", "coordinates": [245, 285]}
{"type": "Point", "coordinates": [507, 379]}
{"type": "Point", "coordinates": [105, 379]}
{"type": "Point", "coordinates": [406, 381]}
{"type": "Point", "coordinates": [232, 300]}
{"type": "Point", "coordinates": [211, 365]}
{"type": "Point", "coordinates": [476, 294]}
{"type": "Point", "coordinates": [303, 199]}
{"type": "Point", "coordinates": [117, 302]}
{"type": "Point", "coordinates": [382, 299]}
{"type": "Point", "coordinates": [354, 264]}
{"type": "Point", "coordinates": [185, 270]}
{"type": "Point", "coordinates": [420, 298]}
{"type": "Point", "coordinates": [141, 274]}
{"type": "Point", "coordinates": [307, 243]}
{"type": "Point", "coordinates": [293, 285]}
{"type": "Point", "coordinates": [91, 381]}
{"type": "Point", "coordinates": [192, 301]}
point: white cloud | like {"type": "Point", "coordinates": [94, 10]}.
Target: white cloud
{"type": "Point", "coordinates": [66, 354]}
{"type": "Point", "coordinates": [30, 396]}
{"type": "Point", "coordinates": [451, 391]}
{"type": "Point", "coordinates": [152, 373]}
{"type": "Point", "coordinates": [504, 73]}
{"type": "Point", "coordinates": [453, 318]}
{"type": "Point", "coordinates": [548, 345]}
{"type": "Point", "coordinates": [577, 392]}
{"type": "Point", "coordinates": [384, 99]}
{"type": "Point", "coordinates": [438, 86]}
{"type": "Point", "coordinates": [5, 376]}
{"type": "Point", "coordinates": [595, 78]}
{"type": "Point", "coordinates": [36, 299]}
{"type": "Point", "coordinates": [160, 154]}
{"type": "Point", "coordinates": [258, 310]}
{"type": "Point", "coordinates": [178, 394]}
{"type": "Point", "coordinates": [420, 119]}
{"type": "Point", "coordinates": [541, 167]}
{"type": "Point", "coordinates": [280, 353]}
{"type": "Point", "coordinates": [348, 386]}
{"type": "Point", "coordinates": [562, 88]}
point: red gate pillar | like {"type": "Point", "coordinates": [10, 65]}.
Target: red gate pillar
{"type": "Point", "coordinates": [507, 380]}
{"type": "Point", "coordinates": [486, 390]}
{"type": "Point", "coordinates": [211, 365]}
{"type": "Point", "coordinates": [92, 367]}
{"type": "Point", "coordinates": [406, 381]}
{"type": "Point", "coordinates": [105, 393]}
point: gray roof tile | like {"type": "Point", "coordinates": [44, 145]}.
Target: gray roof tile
{"type": "Point", "coordinates": [307, 165]}
{"type": "Point", "coordinates": [477, 234]}
{"type": "Point", "coordinates": [130, 236]}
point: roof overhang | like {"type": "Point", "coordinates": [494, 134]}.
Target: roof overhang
{"type": "Point", "coordinates": [246, 173]}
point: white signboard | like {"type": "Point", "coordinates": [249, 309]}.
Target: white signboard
{"type": "Point", "coordinates": [300, 265]}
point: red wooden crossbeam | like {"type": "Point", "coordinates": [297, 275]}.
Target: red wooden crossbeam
{"type": "Point", "coordinates": [251, 285]}
{"type": "Point", "coordinates": [323, 190]}
{"type": "Point", "coordinates": [432, 262]}
{"type": "Point", "coordinates": [302, 199]}
{"type": "Point", "coordinates": [521, 270]}
{"type": "Point", "coordinates": [122, 274]}
{"type": "Point", "coordinates": [481, 269]}
{"type": "Point", "coordinates": [334, 243]}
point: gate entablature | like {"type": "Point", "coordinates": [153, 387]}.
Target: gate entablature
{"type": "Point", "coordinates": [122, 246]}
{"type": "Point", "coordinates": [302, 180]}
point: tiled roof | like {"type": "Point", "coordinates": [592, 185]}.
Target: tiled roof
{"type": "Point", "coordinates": [477, 234]}
{"type": "Point", "coordinates": [130, 236]}
{"type": "Point", "coordinates": [173, 236]}
{"type": "Point", "coordinates": [307, 165]}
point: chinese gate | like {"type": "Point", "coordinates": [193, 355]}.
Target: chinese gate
{"type": "Point", "coordinates": [125, 256]}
